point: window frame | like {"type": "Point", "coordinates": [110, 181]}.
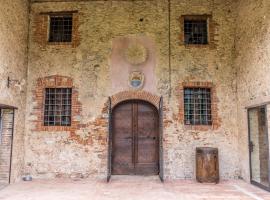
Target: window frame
{"type": "Point", "coordinates": [60, 15]}
{"type": "Point", "coordinates": [216, 119]}
{"type": "Point", "coordinates": [211, 107]}
{"type": "Point", "coordinates": [203, 23]}
{"type": "Point", "coordinates": [41, 34]}
{"type": "Point", "coordinates": [210, 29]}
{"type": "Point", "coordinates": [70, 109]}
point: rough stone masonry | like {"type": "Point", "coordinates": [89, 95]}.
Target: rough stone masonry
{"type": "Point", "coordinates": [234, 65]}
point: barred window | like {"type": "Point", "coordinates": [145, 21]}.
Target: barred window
{"type": "Point", "coordinates": [57, 109]}
{"type": "Point", "coordinates": [197, 105]}
{"type": "Point", "coordinates": [195, 31]}
{"type": "Point", "coordinates": [60, 28]}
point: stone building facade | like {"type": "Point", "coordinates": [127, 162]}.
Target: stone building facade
{"type": "Point", "coordinates": [98, 63]}
{"type": "Point", "coordinates": [13, 62]}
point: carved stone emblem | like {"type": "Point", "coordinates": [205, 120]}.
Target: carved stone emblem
{"type": "Point", "coordinates": [136, 80]}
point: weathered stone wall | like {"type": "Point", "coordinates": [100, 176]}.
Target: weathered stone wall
{"type": "Point", "coordinates": [252, 62]}
{"type": "Point", "coordinates": [13, 63]}
{"type": "Point", "coordinates": [213, 63]}
{"type": "Point", "coordinates": [57, 153]}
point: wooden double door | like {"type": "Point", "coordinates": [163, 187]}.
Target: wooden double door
{"type": "Point", "coordinates": [135, 139]}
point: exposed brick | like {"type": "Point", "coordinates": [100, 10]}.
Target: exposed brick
{"type": "Point", "coordinates": [41, 31]}
{"type": "Point", "coordinates": [137, 95]}
{"type": "Point", "coordinates": [216, 121]}
{"type": "Point", "coordinates": [212, 25]}
{"type": "Point", "coordinates": [81, 149]}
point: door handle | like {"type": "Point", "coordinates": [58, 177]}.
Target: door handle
{"type": "Point", "coordinates": [128, 138]}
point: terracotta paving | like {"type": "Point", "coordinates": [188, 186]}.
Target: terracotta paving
{"type": "Point", "coordinates": [131, 188]}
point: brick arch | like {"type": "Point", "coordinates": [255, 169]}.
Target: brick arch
{"type": "Point", "coordinates": [135, 95]}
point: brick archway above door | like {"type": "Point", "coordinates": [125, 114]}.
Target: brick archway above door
{"type": "Point", "coordinates": [135, 95]}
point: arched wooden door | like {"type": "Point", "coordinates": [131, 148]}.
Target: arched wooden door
{"type": "Point", "coordinates": [135, 139]}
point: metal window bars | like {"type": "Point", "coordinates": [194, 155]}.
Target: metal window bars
{"type": "Point", "coordinates": [60, 28]}
{"type": "Point", "coordinates": [57, 107]}
{"type": "Point", "coordinates": [197, 106]}
{"type": "Point", "coordinates": [195, 31]}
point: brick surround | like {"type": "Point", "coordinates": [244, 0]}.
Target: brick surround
{"type": "Point", "coordinates": [216, 121]}
{"type": "Point", "coordinates": [136, 95]}
{"type": "Point", "coordinates": [55, 81]}
{"type": "Point", "coordinates": [41, 30]}
{"type": "Point", "coordinates": [100, 124]}
{"type": "Point", "coordinates": [212, 43]}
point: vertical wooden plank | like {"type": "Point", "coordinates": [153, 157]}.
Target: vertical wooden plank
{"type": "Point", "coordinates": [122, 139]}
{"type": "Point", "coordinates": [134, 134]}
{"type": "Point", "coordinates": [7, 127]}
{"type": "Point", "coordinates": [147, 152]}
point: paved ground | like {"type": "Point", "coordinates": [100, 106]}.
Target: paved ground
{"type": "Point", "coordinates": [2, 185]}
{"type": "Point", "coordinates": [131, 188]}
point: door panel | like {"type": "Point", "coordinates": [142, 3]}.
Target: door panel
{"type": "Point", "coordinates": [135, 139]}
{"type": "Point", "coordinates": [147, 158]}
{"type": "Point", "coordinates": [259, 146]}
{"type": "Point", "coordinates": [122, 162]}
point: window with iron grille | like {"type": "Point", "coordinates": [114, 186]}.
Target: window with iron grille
{"type": "Point", "coordinates": [57, 108]}
{"type": "Point", "coordinates": [195, 31]}
{"type": "Point", "coordinates": [60, 28]}
{"type": "Point", "coordinates": [197, 105]}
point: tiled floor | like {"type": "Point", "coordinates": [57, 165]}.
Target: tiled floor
{"type": "Point", "coordinates": [131, 188]}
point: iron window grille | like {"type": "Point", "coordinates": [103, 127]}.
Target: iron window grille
{"type": "Point", "coordinates": [60, 28]}
{"type": "Point", "coordinates": [57, 108]}
{"type": "Point", "coordinates": [197, 106]}
{"type": "Point", "coordinates": [196, 31]}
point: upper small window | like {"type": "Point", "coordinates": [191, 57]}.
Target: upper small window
{"type": "Point", "coordinates": [195, 31]}
{"type": "Point", "coordinates": [60, 28]}
{"type": "Point", "coordinates": [197, 105]}
{"type": "Point", "coordinates": [57, 108]}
